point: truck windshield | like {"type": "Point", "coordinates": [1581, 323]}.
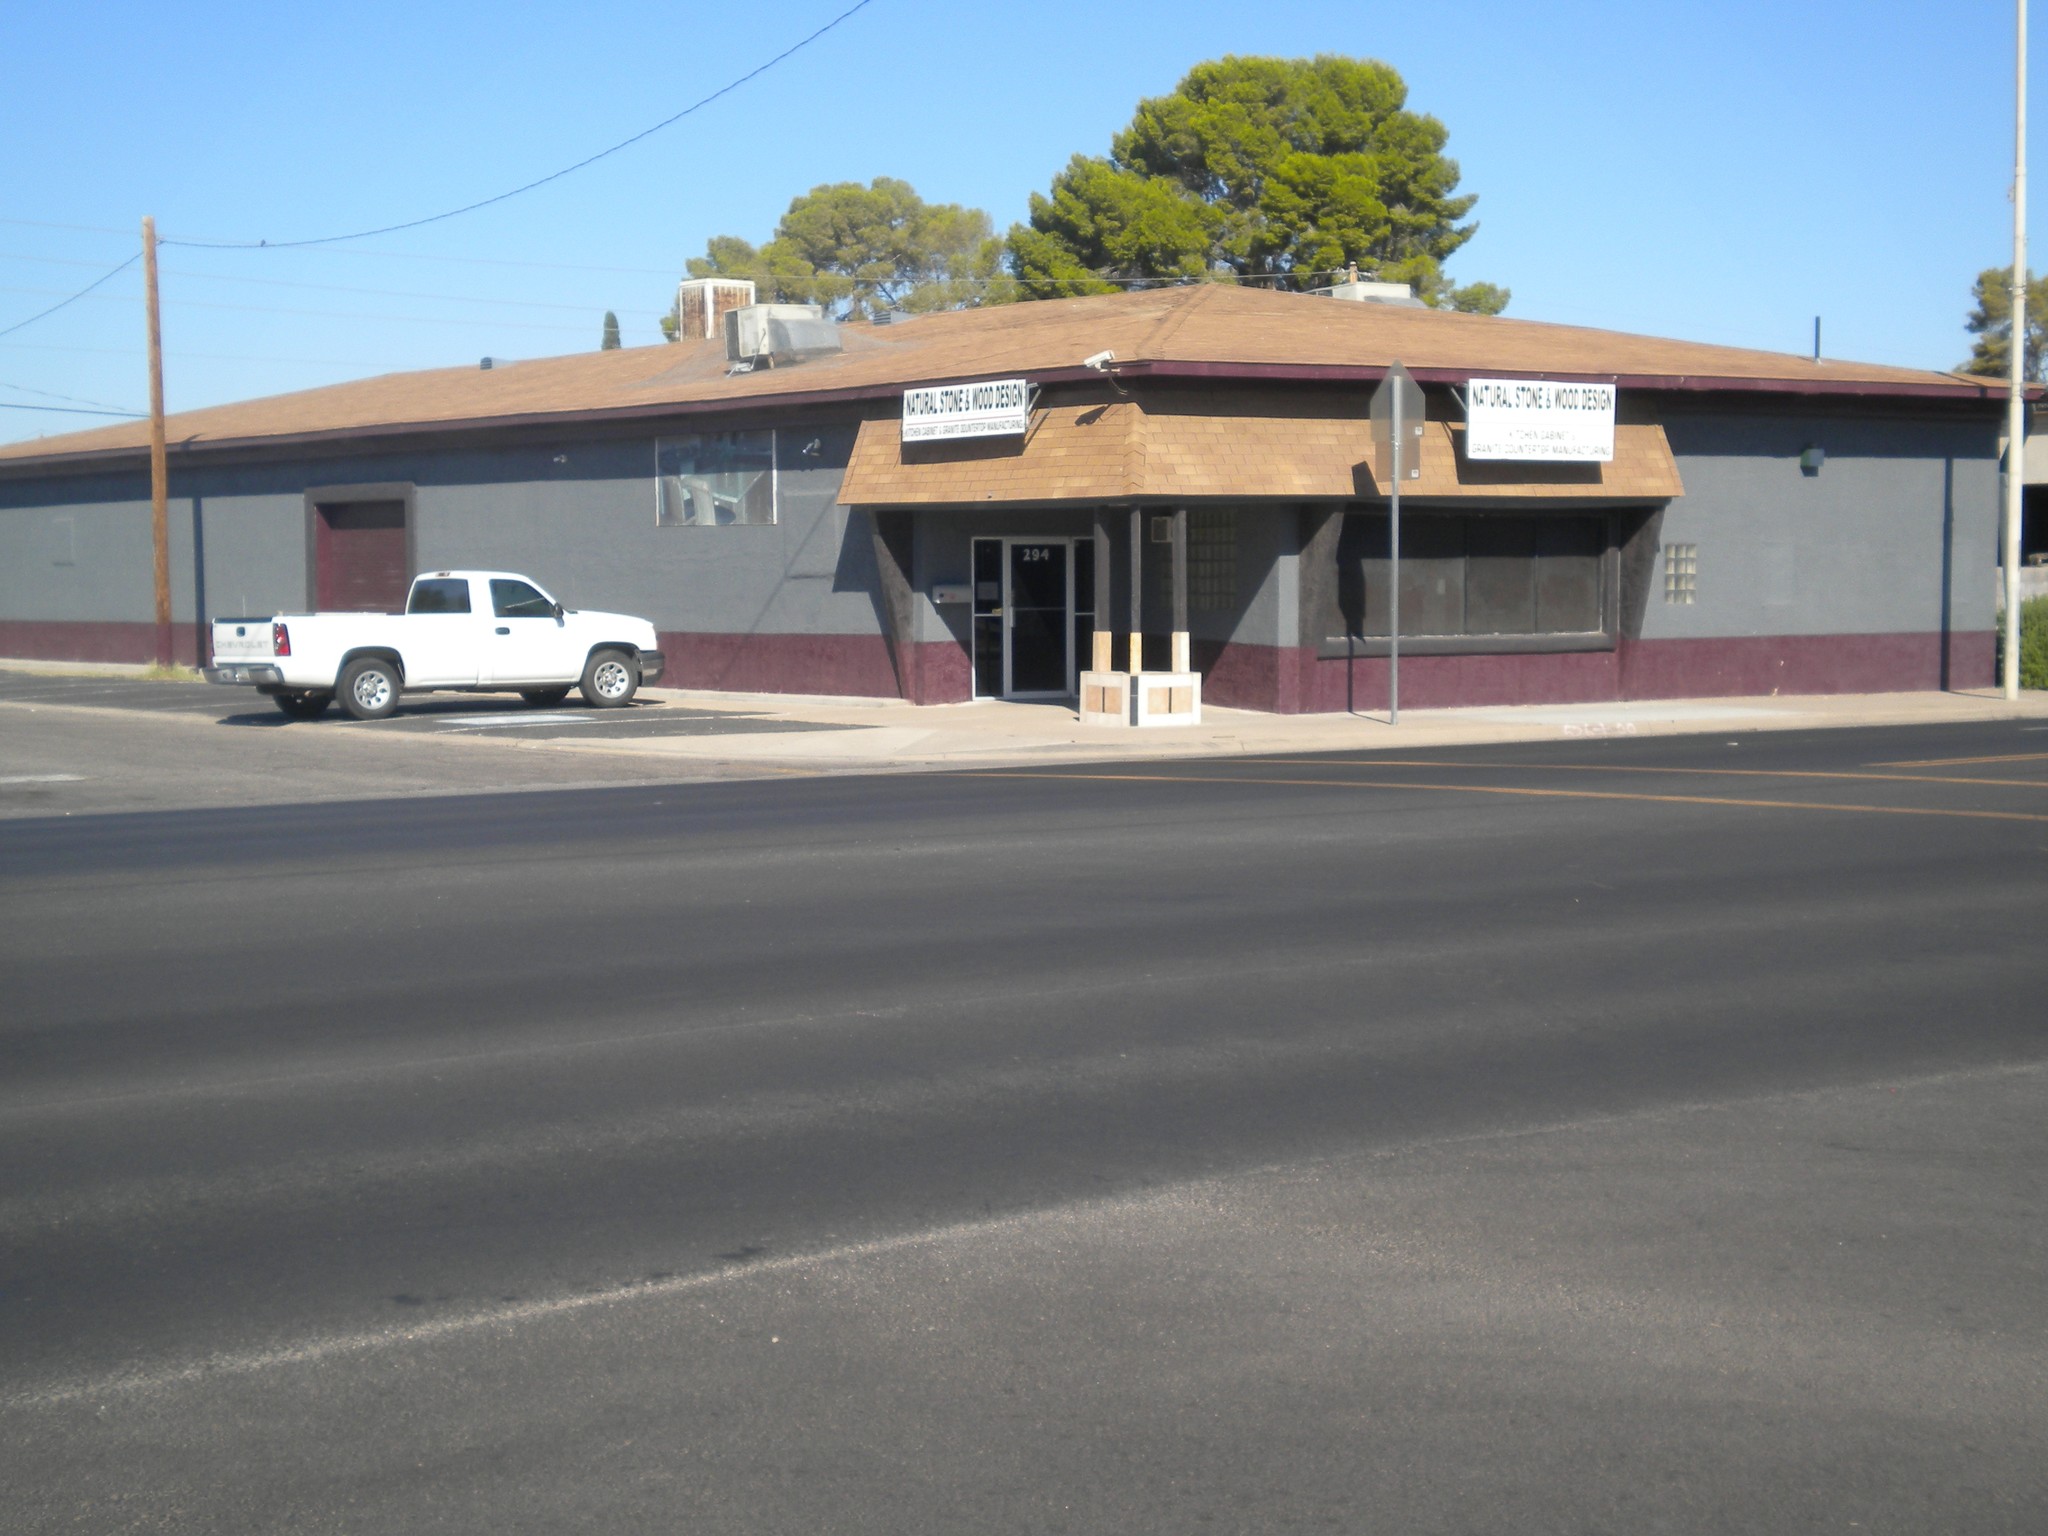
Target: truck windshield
{"type": "Point", "coordinates": [439, 596]}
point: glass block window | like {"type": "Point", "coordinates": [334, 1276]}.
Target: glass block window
{"type": "Point", "coordinates": [1212, 560]}
{"type": "Point", "coordinates": [1681, 572]}
{"type": "Point", "coordinates": [714, 479]}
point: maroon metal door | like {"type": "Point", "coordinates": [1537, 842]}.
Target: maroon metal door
{"type": "Point", "coordinates": [359, 554]}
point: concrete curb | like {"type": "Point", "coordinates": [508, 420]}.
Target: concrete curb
{"type": "Point", "coordinates": [864, 736]}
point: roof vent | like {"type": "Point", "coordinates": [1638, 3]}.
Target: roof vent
{"type": "Point", "coordinates": [703, 302]}
{"type": "Point", "coordinates": [1359, 291]}
{"type": "Point", "coordinates": [776, 335]}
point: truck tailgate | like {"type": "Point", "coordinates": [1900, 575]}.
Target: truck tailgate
{"type": "Point", "coordinates": [241, 639]}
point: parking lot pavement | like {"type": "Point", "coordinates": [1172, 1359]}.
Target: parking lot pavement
{"type": "Point", "coordinates": [73, 747]}
{"type": "Point", "coordinates": [445, 712]}
{"type": "Point", "coordinates": [99, 691]}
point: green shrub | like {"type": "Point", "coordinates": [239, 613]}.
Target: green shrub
{"type": "Point", "coordinates": [2033, 644]}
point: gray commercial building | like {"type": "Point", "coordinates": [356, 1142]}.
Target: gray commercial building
{"type": "Point", "coordinates": [1765, 523]}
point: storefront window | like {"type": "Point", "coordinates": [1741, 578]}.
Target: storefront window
{"type": "Point", "coordinates": [1472, 575]}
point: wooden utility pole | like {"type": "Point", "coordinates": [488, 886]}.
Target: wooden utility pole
{"type": "Point", "coordinates": [159, 473]}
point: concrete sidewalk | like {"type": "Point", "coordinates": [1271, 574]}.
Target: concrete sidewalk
{"type": "Point", "coordinates": [887, 735]}
{"type": "Point", "coordinates": [892, 735]}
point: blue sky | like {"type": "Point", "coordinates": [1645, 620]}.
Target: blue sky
{"type": "Point", "coordinates": [1721, 172]}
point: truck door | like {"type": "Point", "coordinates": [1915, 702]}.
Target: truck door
{"type": "Point", "coordinates": [526, 643]}
{"type": "Point", "coordinates": [441, 635]}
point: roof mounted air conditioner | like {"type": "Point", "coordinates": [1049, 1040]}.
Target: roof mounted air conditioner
{"type": "Point", "coordinates": [778, 334]}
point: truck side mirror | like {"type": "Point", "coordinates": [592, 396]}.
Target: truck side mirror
{"type": "Point", "coordinates": [559, 609]}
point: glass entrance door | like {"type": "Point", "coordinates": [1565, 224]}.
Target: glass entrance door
{"type": "Point", "coordinates": [1039, 601]}
{"type": "Point", "coordinates": [1032, 598]}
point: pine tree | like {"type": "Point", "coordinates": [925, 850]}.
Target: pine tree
{"type": "Point", "coordinates": [611, 333]}
{"type": "Point", "coordinates": [859, 250]}
{"type": "Point", "coordinates": [1991, 323]}
{"type": "Point", "coordinates": [1284, 171]}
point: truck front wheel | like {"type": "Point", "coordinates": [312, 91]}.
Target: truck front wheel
{"type": "Point", "coordinates": [610, 680]}
{"type": "Point", "coordinates": [308, 705]}
{"type": "Point", "coordinates": [369, 688]}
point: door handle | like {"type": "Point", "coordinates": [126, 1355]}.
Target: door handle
{"type": "Point", "coordinates": [503, 630]}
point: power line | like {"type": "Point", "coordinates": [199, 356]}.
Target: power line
{"type": "Point", "coordinates": [49, 261]}
{"type": "Point", "coordinates": [68, 410]}
{"type": "Point", "coordinates": [88, 288]}
{"type": "Point", "coordinates": [51, 394]}
{"type": "Point", "coordinates": [88, 229]}
{"type": "Point", "coordinates": [494, 261]}
{"type": "Point", "coordinates": [348, 314]}
{"type": "Point", "coordinates": [387, 293]}
{"type": "Point", "coordinates": [390, 229]}
{"type": "Point", "coordinates": [464, 261]}
{"type": "Point", "coordinates": [210, 357]}
{"type": "Point", "coordinates": [398, 293]}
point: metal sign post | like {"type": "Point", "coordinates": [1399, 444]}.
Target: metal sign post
{"type": "Point", "coordinates": [1397, 416]}
{"type": "Point", "coordinates": [2016, 399]}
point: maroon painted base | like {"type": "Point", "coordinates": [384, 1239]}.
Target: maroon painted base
{"type": "Point", "coordinates": [111, 640]}
{"type": "Point", "coordinates": [941, 673]}
{"type": "Point", "coordinates": [1275, 678]}
{"type": "Point", "coordinates": [1291, 681]}
{"type": "Point", "coordinates": [1767, 664]}
{"type": "Point", "coordinates": [846, 664]}
{"type": "Point", "coordinates": [936, 672]}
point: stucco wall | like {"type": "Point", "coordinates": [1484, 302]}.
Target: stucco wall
{"type": "Point", "coordinates": [1892, 535]}
{"type": "Point", "coordinates": [576, 514]}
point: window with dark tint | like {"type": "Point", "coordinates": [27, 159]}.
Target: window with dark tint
{"type": "Point", "coordinates": [715, 479]}
{"type": "Point", "coordinates": [439, 595]}
{"type": "Point", "coordinates": [988, 618]}
{"type": "Point", "coordinates": [517, 600]}
{"type": "Point", "coordinates": [1473, 575]}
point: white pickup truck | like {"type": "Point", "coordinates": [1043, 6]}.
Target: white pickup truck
{"type": "Point", "coordinates": [472, 631]}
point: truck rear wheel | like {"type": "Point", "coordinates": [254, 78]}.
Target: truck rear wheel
{"type": "Point", "coordinates": [369, 688]}
{"type": "Point", "coordinates": [310, 704]}
{"type": "Point", "coordinates": [610, 680]}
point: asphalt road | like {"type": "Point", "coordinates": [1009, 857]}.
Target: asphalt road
{"type": "Point", "coordinates": [1596, 1136]}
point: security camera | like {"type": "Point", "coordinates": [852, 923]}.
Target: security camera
{"type": "Point", "coordinates": [1099, 362]}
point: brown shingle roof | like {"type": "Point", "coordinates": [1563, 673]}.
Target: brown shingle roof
{"type": "Point", "coordinates": [1235, 444]}
{"type": "Point", "coordinates": [1202, 330]}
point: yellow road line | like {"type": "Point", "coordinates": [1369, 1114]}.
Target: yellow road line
{"type": "Point", "coordinates": [1739, 773]}
{"type": "Point", "coordinates": [1965, 762]}
{"type": "Point", "coordinates": [1489, 789]}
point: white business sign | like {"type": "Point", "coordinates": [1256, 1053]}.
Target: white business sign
{"type": "Point", "coordinates": [1539, 419]}
{"type": "Point", "coordinates": [993, 408]}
